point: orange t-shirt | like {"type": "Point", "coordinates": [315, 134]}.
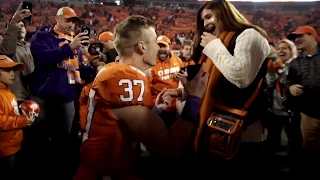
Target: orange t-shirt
{"type": "Point", "coordinates": [11, 122]}
{"type": "Point", "coordinates": [163, 74]}
{"type": "Point", "coordinates": [187, 63]}
{"type": "Point", "coordinates": [107, 145]}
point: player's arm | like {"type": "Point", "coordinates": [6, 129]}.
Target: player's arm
{"type": "Point", "coordinates": [147, 127]}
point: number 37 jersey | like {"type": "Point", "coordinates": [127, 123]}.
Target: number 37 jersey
{"type": "Point", "coordinates": [106, 146]}
{"type": "Point", "coordinates": [118, 85]}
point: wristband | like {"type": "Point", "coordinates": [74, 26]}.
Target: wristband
{"type": "Point", "coordinates": [191, 109]}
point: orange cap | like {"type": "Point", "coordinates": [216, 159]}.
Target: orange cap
{"type": "Point", "coordinates": [163, 40]}
{"type": "Point", "coordinates": [303, 30]}
{"type": "Point", "coordinates": [67, 12]}
{"type": "Point", "coordinates": [6, 62]}
{"type": "Point", "coordinates": [105, 36]}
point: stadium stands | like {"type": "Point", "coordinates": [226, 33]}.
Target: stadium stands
{"type": "Point", "coordinates": [277, 18]}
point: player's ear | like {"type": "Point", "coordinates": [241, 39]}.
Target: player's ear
{"type": "Point", "coordinates": [141, 47]}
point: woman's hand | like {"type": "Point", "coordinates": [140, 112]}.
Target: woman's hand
{"type": "Point", "coordinates": [206, 38]}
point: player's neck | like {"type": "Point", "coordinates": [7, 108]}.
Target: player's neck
{"type": "Point", "coordinates": [134, 62]}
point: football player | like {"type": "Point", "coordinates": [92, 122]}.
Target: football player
{"type": "Point", "coordinates": [120, 101]}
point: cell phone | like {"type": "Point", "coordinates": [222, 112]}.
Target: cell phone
{"type": "Point", "coordinates": [193, 70]}
{"type": "Point", "coordinates": [183, 69]}
{"type": "Point", "coordinates": [86, 30]}
{"type": "Point", "coordinates": [27, 5]}
{"type": "Point", "coordinates": [95, 49]}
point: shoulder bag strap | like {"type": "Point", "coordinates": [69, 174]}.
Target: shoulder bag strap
{"type": "Point", "coordinates": [252, 97]}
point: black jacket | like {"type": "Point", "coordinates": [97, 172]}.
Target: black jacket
{"type": "Point", "coordinates": [304, 70]}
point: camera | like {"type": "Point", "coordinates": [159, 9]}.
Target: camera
{"type": "Point", "coordinates": [95, 49]}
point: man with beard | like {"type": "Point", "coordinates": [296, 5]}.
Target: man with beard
{"type": "Point", "coordinates": [163, 75]}
{"type": "Point", "coordinates": [186, 53]}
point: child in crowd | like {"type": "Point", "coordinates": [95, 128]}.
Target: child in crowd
{"type": "Point", "coordinates": [11, 121]}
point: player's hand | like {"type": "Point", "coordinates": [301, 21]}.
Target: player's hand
{"type": "Point", "coordinates": [296, 90]}
{"type": "Point", "coordinates": [79, 40]}
{"type": "Point", "coordinates": [163, 100]}
{"type": "Point", "coordinates": [198, 85]}
{"type": "Point", "coordinates": [20, 14]}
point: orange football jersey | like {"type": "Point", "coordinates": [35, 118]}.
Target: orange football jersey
{"type": "Point", "coordinates": [108, 147]}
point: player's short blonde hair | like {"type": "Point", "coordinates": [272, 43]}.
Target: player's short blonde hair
{"type": "Point", "coordinates": [129, 32]}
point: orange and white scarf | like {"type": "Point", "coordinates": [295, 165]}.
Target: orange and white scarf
{"type": "Point", "coordinates": [71, 64]}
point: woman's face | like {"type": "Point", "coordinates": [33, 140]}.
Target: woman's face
{"type": "Point", "coordinates": [283, 51]}
{"type": "Point", "coordinates": [209, 19]}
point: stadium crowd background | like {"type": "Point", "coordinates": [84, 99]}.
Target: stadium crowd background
{"type": "Point", "coordinates": [175, 20]}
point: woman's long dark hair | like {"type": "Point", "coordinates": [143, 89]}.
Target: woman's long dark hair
{"type": "Point", "coordinates": [230, 19]}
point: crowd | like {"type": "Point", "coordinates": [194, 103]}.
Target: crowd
{"type": "Point", "coordinates": [277, 18]}
{"type": "Point", "coordinates": [93, 92]}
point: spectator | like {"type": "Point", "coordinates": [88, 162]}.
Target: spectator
{"type": "Point", "coordinates": [163, 76]}
{"type": "Point", "coordinates": [282, 116]}
{"type": "Point", "coordinates": [109, 52]}
{"type": "Point", "coordinates": [54, 85]}
{"type": "Point", "coordinates": [186, 53]}
{"type": "Point", "coordinates": [11, 121]}
{"type": "Point", "coordinates": [304, 81]}
{"type": "Point", "coordinates": [14, 46]}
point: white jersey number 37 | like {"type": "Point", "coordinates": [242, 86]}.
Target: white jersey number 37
{"type": "Point", "coordinates": [130, 85]}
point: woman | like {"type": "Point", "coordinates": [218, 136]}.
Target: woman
{"type": "Point", "coordinates": [282, 117]}
{"type": "Point", "coordinates": [234, 52]}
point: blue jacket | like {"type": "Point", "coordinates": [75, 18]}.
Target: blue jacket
{"type": "Point", "coordinates": [48, 81]}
